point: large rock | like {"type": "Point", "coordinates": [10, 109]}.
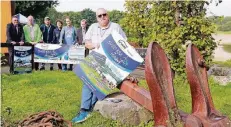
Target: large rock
{"type": "Point", "coordinates": [219, 71]}
{"type": "Point", "coordinates": [220, 74]}
{"type": "Point", "coordinates": [127, 111]}
{"type": "Point", "coordinates": [223, 80]}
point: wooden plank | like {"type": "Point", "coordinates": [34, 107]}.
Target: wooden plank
{"type": "Point", "coordinates": [6, 18]}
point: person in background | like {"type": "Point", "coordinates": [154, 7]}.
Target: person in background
{"type": "Point", "coordinates": [15, 35]}
{"type": "Point", "coordinates": [56, 35]}
{"type": "Point", "coordinates": [81, 32]}
{"type": "Point", "coordinates": [33, 34]}
{"type": "Point", "coordinates": [47, 29]}
{"type": "Point", "coordinates": [96, 33]}
{"type": "Point", "coordinates": [68, 36]}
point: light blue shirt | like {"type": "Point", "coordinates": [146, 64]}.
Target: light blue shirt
{"type": "Point", "coordinates": [68, 35]}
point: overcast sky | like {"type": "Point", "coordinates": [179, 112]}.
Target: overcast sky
{"type": "Point", "coordinates": [78, 5]}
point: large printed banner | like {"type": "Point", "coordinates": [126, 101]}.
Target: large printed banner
{"type": "Point", "coordinates": [54, 53]}
{"type": "Point", "coordinates": [104, 68]}
{"type": "Point", "coordinates": [22, 59]}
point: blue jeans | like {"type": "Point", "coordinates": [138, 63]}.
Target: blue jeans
{"type": "Point", "coordinates": [64, 67]}
{"type": "Point", "coordinates": [88, 99]}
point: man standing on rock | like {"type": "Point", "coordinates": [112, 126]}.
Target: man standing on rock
{"type": "Point", "coordinates": [96, 33]}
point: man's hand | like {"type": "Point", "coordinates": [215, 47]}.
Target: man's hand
{"type": "Point", "coordinates": [21, 42]}
{"type": "Point", "coordinates": [132, 79]}
{"type": "Point", "coordinates": [76, 44]}
{"type": "Point", "coordinates": [33, 43]}
{"type": "Point", "coordinates": [13, 42]}
{"type": "Point", "coordinates": [97, 45]}
{"type": "Point", "coordinates": [90, 45]}
{"type": "Point", "coordinates": [41, 41]}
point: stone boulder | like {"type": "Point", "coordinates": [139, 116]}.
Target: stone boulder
{"type": "Point", "coordinates": [126, 111]}
{"type": "Point", "coordinates": [223, 80]}
{"type": "Point", "coordinates": [219, 71]}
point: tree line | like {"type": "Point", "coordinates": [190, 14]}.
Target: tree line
{"type": "Point", "coordinates": [173, 24]}
{"type": "Point", "coordinates": [222, 23]}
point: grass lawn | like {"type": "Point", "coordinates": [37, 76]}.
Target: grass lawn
{"type": "Point", "coordinates": [223, 32]}
{"type": "Point", "coordinates": [26, 94]}
{"type": "Point", "coordinates": [226, 63]}
{"type": "Point", "coordinates": [227, 48]}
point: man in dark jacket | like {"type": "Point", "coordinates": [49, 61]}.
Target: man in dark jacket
{"type": "Point", "coordinates": [15, 35]}
{"type": "Point", "coordinates": [81, 34]}
{"type": "Point", "coordinates": [56, 35]}
{"type": "Point", "coordinates": [47, 30]}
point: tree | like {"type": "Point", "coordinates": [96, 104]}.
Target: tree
{"type": "Point", "coordinates": [116, 16]}
{"type": "Point", "coordinates": [137, 23]}
{"type": "Point", "coordinates": [54, 15]}
{"type": "Point", "coordinates": [172, 24]}
{"type": "Point", "coordinates": [38, 9]}
{"type": "Point", "coordinates": [74, 16]}
{"type": "Point", "coordinates": [89, 15]}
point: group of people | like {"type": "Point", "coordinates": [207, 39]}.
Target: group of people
{"type": "Point", "coordinates": [96, 33]}
{"type": "Point", "coordinates": [46, 33]}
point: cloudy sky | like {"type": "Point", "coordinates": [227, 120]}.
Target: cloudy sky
{"type": "Point", "coordinates": [77, 5]}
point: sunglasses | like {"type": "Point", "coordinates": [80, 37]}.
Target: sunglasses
{"type": "Point", "coordinates": [15, 20]}
{"type": "Point", "coordinates": [102, 15]}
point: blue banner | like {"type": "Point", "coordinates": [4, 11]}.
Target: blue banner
{"type": "Point", "coordinates": [104, 68]}
{"type": "Point", "coordinates": [53, 53]}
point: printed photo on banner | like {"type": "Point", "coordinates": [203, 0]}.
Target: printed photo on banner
{"type": "Point", "coordinates": [54, 53]}
{"type": "Point", "coordinates": [22, 59]}
{"type": "Point", "coordinates": [103, 69]}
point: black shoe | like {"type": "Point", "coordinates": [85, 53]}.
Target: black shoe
{"type": "Point", "coordinates": [51, 68]}
{"type": "Point", "coordinates": [42, 68]}
{"type": "Point", "coordinates": [69, 69]}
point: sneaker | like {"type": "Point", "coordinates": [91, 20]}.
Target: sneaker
{"type": "Point", "coordinates": [82, 116]}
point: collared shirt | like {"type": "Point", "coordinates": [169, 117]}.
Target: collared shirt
{"type": "Point", "coordinates": [32, 33]}
{"type": "Point", "coordinates": [96, 34]}
{"type": "Point", "coordinates": [31, 29]}
{"type": "Point", "coordinates": [16, 27]}
{"type": "Point", "coordinates": [47, 32]}
{"type": "Point", "coordinates": [68, 35]}
{"type": "Point", "coordinates": [83, 33]}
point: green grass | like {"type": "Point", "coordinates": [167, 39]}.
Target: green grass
{"type": "Point", "coordinates": [223, 32]}
{"type": "Point", "coordinates": [227, 48]}
{"type": "Point", "coordinates": [226, 63]}
{"type": "Point", "coordinates": [220, 94]}
{"type": "Point", "coordinates": [26, 94]}
{"type": "Point", "coordinates": [93, 78]}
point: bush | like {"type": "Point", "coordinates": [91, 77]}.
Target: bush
{"type": "Point", "coordinates": [148, 21]}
